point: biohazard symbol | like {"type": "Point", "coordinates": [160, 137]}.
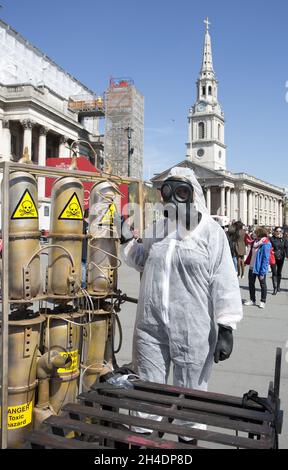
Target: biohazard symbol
{"type": "Point", "coordinates": [72, 210]}
{"type": "Point", "coordinates": [26, 208]}
{"type": "Point", "coordinates": [108, 218]}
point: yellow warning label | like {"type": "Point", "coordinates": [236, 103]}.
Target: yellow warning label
{"type": "Point", "coordinates": [26, 208]}
{"type": "Point", "coordinates": [73, 355]}
{"type": "Point", "coordinates": [72, 210]}
{"type": "Point", "coordinates": [19, 416]}
{"type": "Point", "coordinates": [108, 218]}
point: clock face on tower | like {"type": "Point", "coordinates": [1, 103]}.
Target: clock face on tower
{"type": "Point", "coordinates": [201, 106]}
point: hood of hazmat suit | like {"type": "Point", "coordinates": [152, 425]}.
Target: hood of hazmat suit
{"type": "Point", "coordinates": [188, 286]}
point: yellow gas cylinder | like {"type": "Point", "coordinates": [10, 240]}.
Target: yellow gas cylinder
{"type": "Point", "coordinates": [66, 232]}
{"type": "Point", "coordinates": [24, 237]}
{"type": "Point", "coordinates": [23, 344]}
{"type": "Point", "coordinates": [103, 241]}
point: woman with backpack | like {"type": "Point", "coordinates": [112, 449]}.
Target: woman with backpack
{"type": "Point", "coordinates": [280, 247]}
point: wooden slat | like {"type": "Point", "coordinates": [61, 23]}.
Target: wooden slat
{"type": "Point", "coordinates": [52, 441]}
{"type": "Point", "coordinates": [197, 417]}
{"type": "Point", "coordinates": [178, 430]}
{"type": "Point", "coordinates": [198, 394]}
{"type": "Point", "coordinates": [60, 423]}
{"type": "Point", "coordinates": [185, 403]}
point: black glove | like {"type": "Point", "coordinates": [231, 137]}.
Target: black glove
{"type": "Point", "coordinates": [224, 344]}
{"type": "Point", "coordinates": [123, 229]}
{"type": "Point", "coordinates": [126, 232]}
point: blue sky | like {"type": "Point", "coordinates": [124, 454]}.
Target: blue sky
{"type": "Point", "coordinates": [159, 44]}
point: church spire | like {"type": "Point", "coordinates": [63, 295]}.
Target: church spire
{"type": "Point", "coordinates": [207, 70]}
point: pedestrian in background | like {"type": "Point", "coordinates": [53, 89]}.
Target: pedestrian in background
{"type": "Point", "coordinates": [240, 247]}
{"type": "Point", "coordinates": [231, 236]}
{"type": "Point", "coordinates": [258, 261]}
{"type": "Point", "coordinates": [280, 247]}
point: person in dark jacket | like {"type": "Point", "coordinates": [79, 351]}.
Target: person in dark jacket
{"type": "Point", "coordinates": [280, 247]}
{"type": "Point", "coordinates": [232, 241]}
{"type": "Point", "coordinates": [240, 247]}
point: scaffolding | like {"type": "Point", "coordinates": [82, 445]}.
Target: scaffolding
{"type": "Point", "coordinates": [124, 128]}
{"type": "Point", "coordinates": [87, 105]}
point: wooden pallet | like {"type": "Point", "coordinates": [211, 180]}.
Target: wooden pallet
{"type": "Point", "coordinates": [106, 416]}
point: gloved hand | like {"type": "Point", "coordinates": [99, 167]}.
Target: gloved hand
{"type": "Point", "coordinates": [224, 344]}
{"type": "Point", "coordinates": [123, 228]}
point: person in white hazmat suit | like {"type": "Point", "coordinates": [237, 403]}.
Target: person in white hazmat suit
{"type": "Point", "coordinates": [189, 300]}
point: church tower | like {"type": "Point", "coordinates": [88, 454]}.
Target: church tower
{"type": "Point", "coordinates": [206, 144]}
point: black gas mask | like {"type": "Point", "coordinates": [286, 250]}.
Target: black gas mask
{"type": "Point", "coordinates": [178, 195]}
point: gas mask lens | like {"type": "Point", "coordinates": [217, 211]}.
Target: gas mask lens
{"type": "Point", "coordinates": [183, 193]}
{"type": "Point", "coordinates": [180, 191]}
{"type": "Point", "coordinates": [166, 192]}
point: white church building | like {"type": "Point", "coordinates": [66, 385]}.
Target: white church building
{"type": "Point", "coordinates": [238, 196]}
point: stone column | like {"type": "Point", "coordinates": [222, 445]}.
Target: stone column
{"type": "Point", "coordinates": [250, 208]}
{"type": "Point", "coordinates": [243, 205]}
{"type": "Point", "coordinates": [64, 152]}
{"type": "Point", "coordinates": [5, 149]}
{"type": "Point", "coordinates": [222, 208]}
{"type": "Point", "coordinates": [280, 213]}
{"type": "Point", "coordinates": [42, 159]}
{"type": "Point", "coordinates": [27, 138]}
{"type": "Point", "coordinates": [233, 204]}
{"type": "Point", "coordinates": [256, 208]}
{"type": "Point", "coordinates": [276, 211]}
{"type": "Point", "coordinates": [208, 199]}
{"type": "Point", "coordinates": [228, 203]}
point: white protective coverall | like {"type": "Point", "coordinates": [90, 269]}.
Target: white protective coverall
{"type": "Point", "coordinates": [188, 285]}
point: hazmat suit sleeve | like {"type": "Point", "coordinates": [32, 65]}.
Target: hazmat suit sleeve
{"type": "Point", "coordinates": [134, 255]}
{"type": "Point", "coordinates": [224, 286]}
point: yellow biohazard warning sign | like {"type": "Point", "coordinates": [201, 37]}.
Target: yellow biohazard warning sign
{"type": "Point", "coordinates": [72, 210]}
{"type": "Point", "coordinates": [19, 416]}
{"type": "Point", "coordinates": [26, 208]}
{"type": "Point", "coordinates": [108, 218]}
{"type": "Point", "coordinates": [73, 355]}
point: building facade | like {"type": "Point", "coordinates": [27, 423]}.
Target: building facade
{"type": "Point", "coordinates": [236, 195]}
{"type": "Point", "coordinates": [35, 106]}
{"type": "Point", "coordinates": [239, 196]}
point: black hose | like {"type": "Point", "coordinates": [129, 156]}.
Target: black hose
{"type": "Point", "coordinates": [120, 334]}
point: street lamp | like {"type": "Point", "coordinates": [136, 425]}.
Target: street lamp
{"type": "Point", "coordinates": [129, 131]}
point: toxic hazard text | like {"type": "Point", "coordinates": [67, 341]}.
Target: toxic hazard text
{"type": "Point", "coordinates": [19, 416]}
{"type": "Point", "coordinates": [26, 208]}
{"type": "Point", "coordinates": [72, 210]}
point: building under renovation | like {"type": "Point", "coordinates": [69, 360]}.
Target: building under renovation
{"type": "Point", "coordinates": [124, 130]}
{"type": "Point", "coordinates": [42, 107]}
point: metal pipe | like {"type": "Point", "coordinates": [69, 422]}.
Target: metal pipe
{"type": "Point", "coordinates": [83, 175]}
{"type": "Point", "coordinates": [5, 305]}
{"type": "Point", "coordinates": [51, 246]}
{"type": "Point", "coordinates": [45, 365]}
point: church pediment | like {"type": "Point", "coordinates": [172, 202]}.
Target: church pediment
{"type": "Point", "coordinates": [200, 171]}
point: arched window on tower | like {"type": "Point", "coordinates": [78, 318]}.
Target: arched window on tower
{"type": "Point", "coordinates": [201, 129]}
{"type": "Point", "coordinates": [210, 90]}
{"type": "Point", "coordinates": [203, 90]}
{"type": "Point", "coordinates": [219, 132]}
